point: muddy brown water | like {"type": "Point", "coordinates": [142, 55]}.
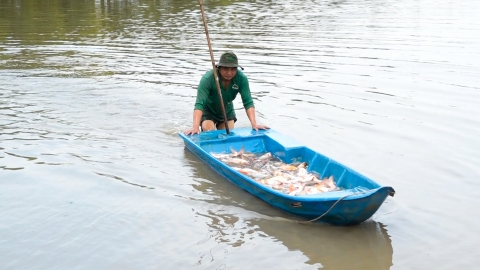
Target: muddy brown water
{"type": "Point", "coordinates": [93, 94]}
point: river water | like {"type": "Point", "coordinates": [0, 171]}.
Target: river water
{"type": "Point", "coordinates": [93, 95]}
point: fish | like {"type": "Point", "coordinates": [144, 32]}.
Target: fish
{"type": "Point", "coordinates": [295, 188]}
{"type": "Point", "coordinates": [258, 165]}
{"type": "Point", "coordinates": [248, 155]}
{"type": "Point", "coordinates": [252, 173]}
{"type": "Point", "coordinates": [288, 167]}
{"type": "Point", "coordinates": [303, 165]}
{"type": "Point", "coordinates": [237, 153]}
{"type": "Point", "coordinates": [266, 156]}
{"type": "Point", "coordinates": [327, 184]}
{"type": "Point", "coordinates": [236, 161]}
{"type": "Point", "coordinates": [311, 183]}
{"type": "Point", "coordinates": [309, 190]}
{"type": "Point", "coordinates": [302, 171]}
{"type": "Point", "coordinates": [278, 186]}
{"type": "Point", "coordinates": [220, 156]}
{"type": "Point", "coordinates": [293, 179]}
{"type": "Point", "coordinates": [279, 178]}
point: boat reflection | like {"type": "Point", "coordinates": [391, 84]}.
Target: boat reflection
{"type": "Point", "coordinates": [364, 246]}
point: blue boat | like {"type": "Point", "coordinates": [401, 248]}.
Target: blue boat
{"type": "Point", "coordinates": [357, 200]}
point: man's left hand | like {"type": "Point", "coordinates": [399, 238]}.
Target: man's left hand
{"type": "Point", "coordinates": [257, 127]}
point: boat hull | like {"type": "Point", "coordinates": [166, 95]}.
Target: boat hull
{"type": "Point", "coordinates": [358, 200]}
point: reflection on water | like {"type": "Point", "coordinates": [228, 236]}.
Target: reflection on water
{"type": "Point", "coordinates": [92, 38]}
{"type": "Point", "coordinates": [366, 246]}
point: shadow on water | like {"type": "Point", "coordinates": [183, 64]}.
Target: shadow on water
{"type": "Point", "coordinates": [364, 246]}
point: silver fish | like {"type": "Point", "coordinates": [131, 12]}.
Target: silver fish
{"type": "Point", "coordinates": [220, 156]}
{"type": "Point", "coordinates": [252, 173]}
{"type": "Point", "coordinates": [293, 179]}
{"type": "Point", "coordinates": [236, 161]}
{"type": "Point", "coordinates": [266, 156]}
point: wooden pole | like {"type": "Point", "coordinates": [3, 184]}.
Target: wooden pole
{"type": "Point", "coordinates": [214, 67]}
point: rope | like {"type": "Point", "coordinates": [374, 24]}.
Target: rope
{"type": "Point", "coordinates": [322, 215]}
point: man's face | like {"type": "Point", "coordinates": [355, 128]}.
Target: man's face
{"type": "Point", "coordinates": [227, 73]}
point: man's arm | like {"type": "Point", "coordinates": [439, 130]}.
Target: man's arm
{"type": "Point", "coordinates": [197, 117]}
{"type": "Point", "coordinates": [202, 96]}
{"type": "Point", "coordinates": [253, 121]}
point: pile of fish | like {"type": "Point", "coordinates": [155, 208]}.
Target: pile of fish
{"type": "Point", "coordinates": [292, 179]}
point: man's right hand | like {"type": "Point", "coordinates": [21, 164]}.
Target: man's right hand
{"type": "Point", "coordinates": [192, 131]}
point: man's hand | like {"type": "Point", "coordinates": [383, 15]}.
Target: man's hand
{"type": "Point", "coordinates": [257, 127]}
{"type": "Point", "coordinates": [192, 131]}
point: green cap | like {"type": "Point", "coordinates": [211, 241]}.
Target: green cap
{"type": "Point", "coordinates": [228, 59]}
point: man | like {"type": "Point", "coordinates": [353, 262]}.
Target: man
{"type": "Point", "coordinates": [208, 111]}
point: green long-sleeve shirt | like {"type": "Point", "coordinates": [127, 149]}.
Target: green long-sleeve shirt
{"type": "Point", "coordinates": [208, 99]}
